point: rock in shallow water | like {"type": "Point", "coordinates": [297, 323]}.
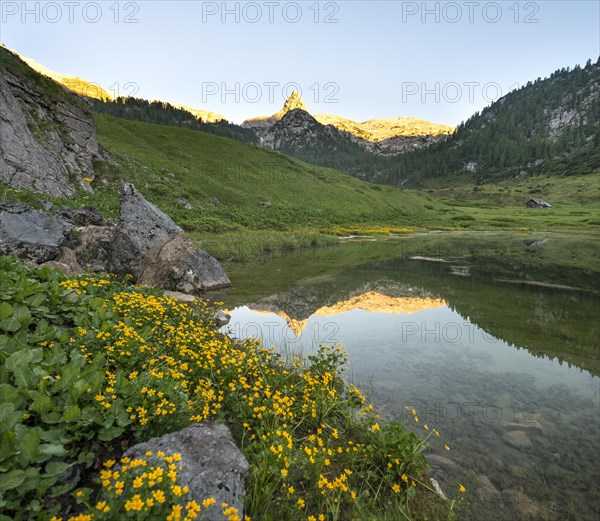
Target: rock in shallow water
{"type": "Point", "coordinates": [485, 490]}
{"type": "Point", "coordinates": [518, 439]}
{"type": "Point", "coordinates": [212, 464]}
{"type": "Point", "coordinates": [525, 508]}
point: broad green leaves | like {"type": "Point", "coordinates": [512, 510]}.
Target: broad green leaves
{"type": "Point", "coordinates": [47, 387]}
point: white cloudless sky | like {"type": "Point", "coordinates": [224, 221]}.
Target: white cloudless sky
{"type": "Point", "coordinates": [440, 61]}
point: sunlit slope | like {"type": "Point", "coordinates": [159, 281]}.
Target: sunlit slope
{"type": "Point", "coordinates": [237, 184]}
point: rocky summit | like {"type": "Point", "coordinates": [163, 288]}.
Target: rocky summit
{"type": "Point", "coordinates": [306, 135]}
{"type": "Point", "coordinates": [379, 136]}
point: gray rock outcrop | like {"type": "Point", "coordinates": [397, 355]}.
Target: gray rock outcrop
{"type": "Point", "coordinates": [47, 143]}
{"type": "Point", "coordinates": [87, 216]}
{"type": "Point", "coordinates": [212, 465]}
{"type": "Point", "coordinates": [146, 244]}
{"type": "Point", "coordinates": [94, 247]}
{"type": "Point", "coordinates": [142, 226]}
{"type": "Point", "coordinates": [30, 234]}
{"type": "Point", "coordinates": [221, 318]}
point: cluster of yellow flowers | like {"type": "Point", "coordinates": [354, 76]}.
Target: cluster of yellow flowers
{"type": "Point", "coordinates": [80, 285]}
{"type": "Point", "coordinates": [148, 491]}
{"type": "Point", "coordinates": [290, 415]}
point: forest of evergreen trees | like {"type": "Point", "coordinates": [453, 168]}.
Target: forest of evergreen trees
{"type": "Point", "coordinates": [510, 137]}
{"type": "Point", "coordinates": [513, 135]}
{"type": "Point", "coordinates": [163, 113]}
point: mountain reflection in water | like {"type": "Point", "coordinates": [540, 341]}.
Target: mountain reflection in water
{"type": "Point", "coordinates": [492, 338]}
{"type": "Point", "coordinates": [370, 301]}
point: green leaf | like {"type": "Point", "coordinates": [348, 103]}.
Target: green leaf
{"type": "Point", "coordinates": [18, 359]}
{"type": "Point", "coordinates": [51, 417]}
{"type": "Point", "coordinates": [7, 446]}
{"type": "Point", "coordinates": [22, 313]}
{"type": "Point", "coordinates": [10, 416]}
{"type": "Point", "coordinates": [71, 413]}
{"type": "Point", "coordinates": [41, 404]}
{"type": "Point", "coordinates": [10, 325]}
{"type": "Point", "coordinates": [55, 468]}
{"type": "Point", "coordinates": [6, 310]}
{"type": "Point", "coordinates": [110, 434]}
{"type": "Point", "coordinates": [71, 298]}
{"type": "Point", "coordinates": [78, 388]}
{"type": "Point", "coordinates": [53, 449]}
{"type": "Point", "coordinates": [70, 374]}
{"type": "Point", "coordinates": [8, 394]}
{"type": "Point", "coordinates": [24, 377]}
{"type": "Point", "coordinates": [29, 445]}
{"type": "Point", "coordinates": [12, 479]}
{"type": "Point", "coordinates": [123, 419]}
{"type": "Point", "coordinates": [36, 300]}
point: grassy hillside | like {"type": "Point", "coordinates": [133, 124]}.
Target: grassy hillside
{"type": "Point", "coordinates": [500, 206]}
{"type": "Point", "coordinates": [168, 164]}
{"type": "Point", "coordinates": [229, 186]}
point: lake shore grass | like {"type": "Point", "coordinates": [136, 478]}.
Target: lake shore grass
{"type": "Point", "coordinates": [244, 245]}
{"type": "Point", "coordinates": [92, 366]}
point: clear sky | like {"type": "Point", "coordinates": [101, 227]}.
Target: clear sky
{"type": "Point", "coordinates": [440, 61]}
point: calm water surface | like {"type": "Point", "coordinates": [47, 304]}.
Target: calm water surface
{"type": "Point", "coordinates": [492, 338]}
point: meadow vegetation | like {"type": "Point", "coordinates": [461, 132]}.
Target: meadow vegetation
{"type": "Point", "coordinates": [91, 366]}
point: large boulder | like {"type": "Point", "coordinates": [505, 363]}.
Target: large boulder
{"type": "Point", "coordinates": [142, 226]}
{"type": "Point", "coordinates": [154, 250]}
{"type": "Point", "coordinates": [66, 262]}
{"type": "Point", "coordinates": [177, 264]}
{"type": "Point", "coordinates": [212, 465]}
{"type": "Point", "coordinates": [30, 234]}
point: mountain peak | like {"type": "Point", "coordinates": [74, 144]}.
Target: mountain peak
{"type": "Point", "coordinates": [293, 102]}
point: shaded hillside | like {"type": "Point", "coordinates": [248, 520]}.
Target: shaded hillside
{"type": "Point", "coordinates": [549, 126]}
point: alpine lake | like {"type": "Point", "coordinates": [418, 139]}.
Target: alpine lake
{"type": "Point", "coordinates": [492, 339]}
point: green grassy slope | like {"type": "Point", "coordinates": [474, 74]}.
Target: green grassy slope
{"type": "Point", "coordinates": [169, 163]}
{"type": "Point", "coordinates": [575, 204]}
